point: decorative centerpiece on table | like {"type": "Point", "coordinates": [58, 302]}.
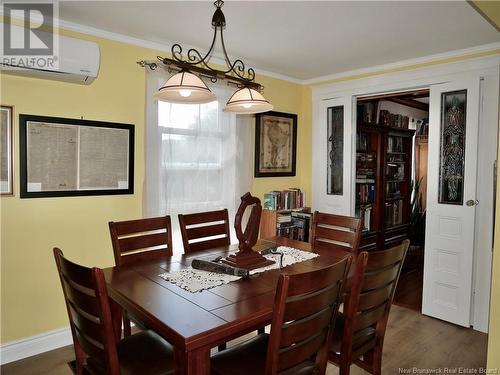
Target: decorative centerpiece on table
{"type": "Point", "coordinates": [246, 257]}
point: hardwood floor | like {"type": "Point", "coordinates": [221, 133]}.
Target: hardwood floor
{"type": "Point", "coordinates": [412, 340]}
{"type": "Point", "coordinates": [409, 290]}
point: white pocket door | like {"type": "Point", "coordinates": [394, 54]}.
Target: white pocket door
{"type": "Point", "coordinates": [451, 200]}
{"type": "Point", "coordinates": [332, 156]}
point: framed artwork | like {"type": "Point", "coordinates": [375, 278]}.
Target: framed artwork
{"type": "Point", "coordinates": [69, 157]}
{"type": "Point", "coordinates": [275, 144]}
{"type": "Point", "coordinates": [6, 142]}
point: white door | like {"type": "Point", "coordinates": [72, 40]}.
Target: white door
{"type": "Point", "coordinates": [332, 156]}
{"type": "Point", "coordinates": [451, 200]}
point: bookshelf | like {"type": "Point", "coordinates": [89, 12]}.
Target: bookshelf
{"type": "Point", "coordinates": [294, 224]}
{"type": "Point", "coordinates": [383, 177]}
{"type": "Point", "coordinates": [284, 215]}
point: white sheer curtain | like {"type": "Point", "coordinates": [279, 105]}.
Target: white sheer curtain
{"type": "Point", "coordinates": [198, 158]}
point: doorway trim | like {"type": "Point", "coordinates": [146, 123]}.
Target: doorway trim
{"type": "Point", "coordinates": [485, 68]}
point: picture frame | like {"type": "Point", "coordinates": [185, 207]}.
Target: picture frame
{"type": "Point", "coordinates": [62, 157]}
{"type": "Point", "coordinates": [275, 144]}
{"type": "Point", "coordinates": [6, 149]}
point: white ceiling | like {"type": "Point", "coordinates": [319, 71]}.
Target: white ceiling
{"type": "Point", "coordinates": [300, 39]}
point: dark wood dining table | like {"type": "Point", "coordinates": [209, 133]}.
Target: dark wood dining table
{"type": "Point", "coordinates": [196, 322]}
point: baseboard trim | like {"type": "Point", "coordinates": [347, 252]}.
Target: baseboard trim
{"type": "Point", "coordinates": [29, 346]}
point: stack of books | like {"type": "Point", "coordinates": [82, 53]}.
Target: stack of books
{"type": "Point", "coordinates": [365, 176]}
{"type": "Point", "coordinates": [290, 199]}
{"type": "Point", "coordinates": [294, 225]}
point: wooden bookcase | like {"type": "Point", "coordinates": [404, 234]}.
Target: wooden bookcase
{"type": "Point", "coordinates": [269, 222]}
{"type": "Point", "coordinates": [383, 184]}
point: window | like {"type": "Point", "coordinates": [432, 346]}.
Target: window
{"type": "Point", "coordinates": [197, 158]}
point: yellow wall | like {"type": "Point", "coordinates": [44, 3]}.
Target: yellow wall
{"type": "Point", "coordinates": [494, 333]}
{"type": "Point", "coordinates": [293, 98]}
{"type": "Point", "coordinates": [31, 298]}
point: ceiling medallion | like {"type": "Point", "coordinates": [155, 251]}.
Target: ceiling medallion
{"type": "Point", "coordinates": [187, 85]}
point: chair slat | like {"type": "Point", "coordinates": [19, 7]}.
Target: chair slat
{"type": "Point", "coordinates": [306, 283]}
{"type": "Point", "coordinates": [301, 351]}
{"type": "Point", "coordinates": [140, 225]}
{"type": "Point", "coordinates": [91, 326]}
{"type": "Point", "coordinates": [376, 280]}
{"type": "Point", "coordinates": [210, 244]}
{"type": "Point", "coordinates": [320, 246]}
{"type": "Point", "coordinates": [205, 217]}
{"type": "Point", "coordinates": [89, 347]}
{"type": "Point", "coordinates": [143, 242]}
{"type": "Point", "coordinates": [144, 256]}
{"type": "Point", "coordinates": [304, 306]}
{"type": "Point", "coordinates": [83, 301]}
{"type": "Point", "coordinates": [301, 329]}
{"type": "Point", "coordinates": [335, 234]}
{"type": "Point", "coordinates": [367, 318]}
{"type": "Point", "coordinates": [374, 297]}
{"type": "Point", "coordinates": [77, 274]}
{"type": "Point", "coordinates": [382, 259]}
{"type": "Point", "coordinates": [206, 231]}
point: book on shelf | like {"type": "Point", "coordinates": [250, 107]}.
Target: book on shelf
{"type": "Point", "coordinates": [365, 193]}
{"type": "Point", "coordinates": [365, 212]}
{"type": "Point", "coordinates": [290, 199]}
{"type": "Point", "coordinates": [294, 225]}
{"type": "Point", "coordinates": [394, 213]}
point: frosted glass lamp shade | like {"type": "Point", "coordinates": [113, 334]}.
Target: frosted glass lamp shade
{"type": "Point", "coordinates": [247, 101]}
{"type": "Point", "coordinates": [185, 87]}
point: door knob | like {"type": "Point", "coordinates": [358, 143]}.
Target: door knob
{"type": "Point", "coordinates": [472, 202]}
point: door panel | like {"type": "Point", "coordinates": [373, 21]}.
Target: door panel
{"type": "Point", "coordinates": [452, 164]}
{"type": "Point", "coordinates": [332, 156]}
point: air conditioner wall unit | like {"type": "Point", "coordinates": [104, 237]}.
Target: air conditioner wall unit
{"type": "Point", "coordinates": [79, 61]}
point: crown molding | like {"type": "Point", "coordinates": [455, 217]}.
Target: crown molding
{"type": "Point", "coordinates": [380, 69]}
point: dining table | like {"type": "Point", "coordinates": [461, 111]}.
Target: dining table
{"type": "Point", "coordinates": [194, 323]}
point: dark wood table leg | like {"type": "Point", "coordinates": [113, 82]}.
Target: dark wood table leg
{"type": "Point", "coordinates": [194, 362]}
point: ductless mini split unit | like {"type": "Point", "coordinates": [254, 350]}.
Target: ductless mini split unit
{"type": "Point", "coordinates": [74, 60]}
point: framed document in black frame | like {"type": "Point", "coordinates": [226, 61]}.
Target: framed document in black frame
{"type": "Point", "coordinates": [69, 157]}
{"type": "Point", "coordinates": [275, 144]}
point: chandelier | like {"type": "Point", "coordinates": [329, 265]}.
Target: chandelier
{"type": "Point", "coordinates": [187, 86]}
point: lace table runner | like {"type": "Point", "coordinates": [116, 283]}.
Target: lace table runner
{"type": "Point", "coordinates": [194, 280]}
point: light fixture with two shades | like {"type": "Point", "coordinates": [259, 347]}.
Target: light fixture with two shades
{"type": "Point", "coordinates": [187, 86]}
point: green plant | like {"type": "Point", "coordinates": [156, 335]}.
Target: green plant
{"type": "Point", "coordinates": [417, 214]}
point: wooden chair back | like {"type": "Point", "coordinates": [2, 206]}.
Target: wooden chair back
{"type": "Point", "coordinates": [336, 232]}
{"type": "Point", "coordinates": [305, 309]}
{"type": "Point", "coordinates": [370, 299]}
{"type": "Point", "coordinates": [198, 230]}
{"type": "Point", "coordinates": [90, 314]}
{"type": "Point", "coordinates": [143, 239]}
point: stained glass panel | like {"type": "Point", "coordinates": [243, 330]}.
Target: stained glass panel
{"type": "Point", "coordinates": [335, 172]}
{"type": "Point", "coordinates": [452, 151]}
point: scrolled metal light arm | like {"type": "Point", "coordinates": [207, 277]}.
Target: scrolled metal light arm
{"type": "Point", "coordinates": [236, 73]}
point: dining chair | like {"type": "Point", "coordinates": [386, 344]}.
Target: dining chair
{"type": "Point", "coordinates": [140, 240]}
{"type": "Point", "coordinates": [199, 229]}
{"type": "Point", "coordinates": [359, 338]}
{"type": "Point", "coordinates": [331, 231]}
{"type": "Point", "coordinates": [305, 306]}
{"type": "Point", "coordinates": [96, 335]}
